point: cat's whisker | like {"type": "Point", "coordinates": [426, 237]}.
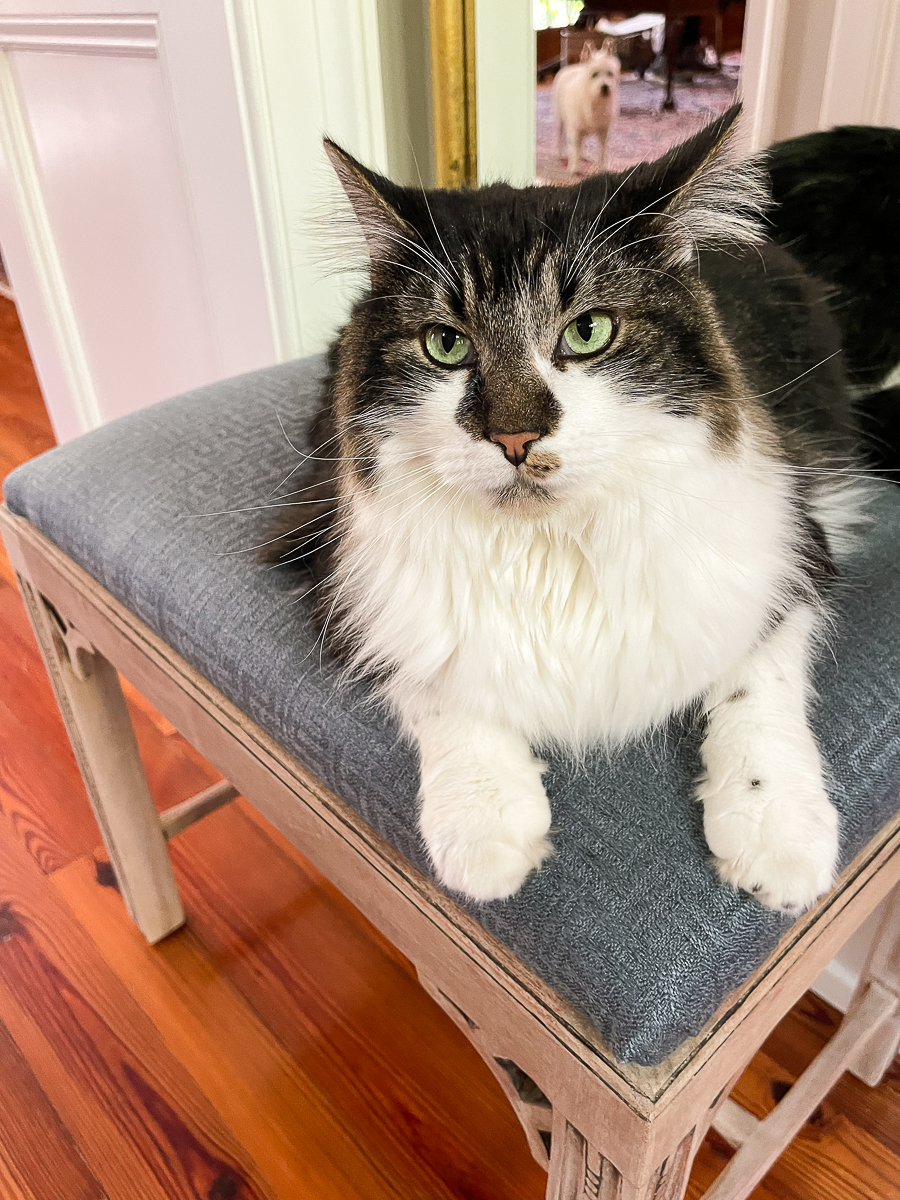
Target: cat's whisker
{"type": "Point", "coordinates": [299, 466]}
{"type": "Point", "coordinates": [362, 420]}
{"type": "Point", "coordinates": [437, 232]}
{"type": "Point", "coordinates": [423, 253]}
{"type": "Point", "coordinates": [344, 504]}
{"type": "Point", "coordinates": [450, 262]}
{"type": "Point", "coordinates": [324, 582]}
{"type": "Point", "coordinates": [667, 274]}
{"type": "Point", "coordinates": [284, 433]}
{"type": "Point", "coordinates": [287, 503]}
{"type": "Point", "coordinates": [578, 191]}
{"type": "Point", "coordinates": [406, 267]}
{"type": "Point", "coordinates": [612, 229]}
{"type": "Point", "coordinates": [772, 391]}
{"type": "Point", "coordinates": [579, 256]}
{"type": "Point", "coordinates": [717, 552]}
{"type": "Point", "coordinates": [318, 483]}
{"type": "Point", "coordinates": [230, 512]}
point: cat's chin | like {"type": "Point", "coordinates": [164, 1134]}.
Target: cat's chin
{"type": "Point", "coordinates": [524, 497]}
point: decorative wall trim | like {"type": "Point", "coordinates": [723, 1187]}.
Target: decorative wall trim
{"type": "Point", "coordinates": [119, 35]}
{"type": "Point", "coordinates": [15, 139]}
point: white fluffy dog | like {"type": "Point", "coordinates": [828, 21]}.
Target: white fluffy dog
{"type": "Point", "coordinates": [586, 101]}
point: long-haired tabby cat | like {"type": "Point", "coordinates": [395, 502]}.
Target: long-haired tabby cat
{"type": "Point", "coordinates": [576, 474]}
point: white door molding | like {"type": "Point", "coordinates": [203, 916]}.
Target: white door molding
{"type": "Point", "coordinates": [814, 64]}
{"type": "Point", "coordinates": [505, 65]}
{"type": "Point", "coordinates": [340, 90]}
{"type": "Point", "coordinates": [862, 60]}
{"type": "Point", "coordinates": [762, 55]}
{"type": "Point", "coordinates": [258, 126]}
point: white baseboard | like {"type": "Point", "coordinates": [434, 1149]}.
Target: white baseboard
{"type": "Point", "coordinates": [836, 984]}
{"type": "Point", "coordinates": [838, 981]}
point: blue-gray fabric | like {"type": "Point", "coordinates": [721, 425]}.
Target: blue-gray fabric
{"type": "Point", "coordinates": [627, 920]}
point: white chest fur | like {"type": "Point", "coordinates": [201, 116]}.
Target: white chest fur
{"type": "Point", "coordinates": [589, 624]}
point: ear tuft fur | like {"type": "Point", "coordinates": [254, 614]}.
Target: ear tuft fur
{"type": "Point", "coordinates": [716, 198]}
{"type": "Point", "coordinates": [369, 195]}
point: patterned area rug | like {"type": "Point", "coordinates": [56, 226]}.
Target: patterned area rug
{"type": "Point", "coordinates": [643, 131]}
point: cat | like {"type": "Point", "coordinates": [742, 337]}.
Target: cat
{"type": "Point", "coordinates": [586, 102]}
{"type": "Point", "coordinates": [837, 210]}
{"type": "Point", "coordinates": [580, 468]}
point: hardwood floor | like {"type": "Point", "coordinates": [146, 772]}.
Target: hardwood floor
{"type": "Point", "coordinates": [277, 1048]}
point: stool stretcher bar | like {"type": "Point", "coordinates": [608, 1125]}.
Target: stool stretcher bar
{"type": "Point", "coordinates": [180, 817]}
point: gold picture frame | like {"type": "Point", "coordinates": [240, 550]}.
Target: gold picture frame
{"type": "Point", "coordinates": [452, 26]}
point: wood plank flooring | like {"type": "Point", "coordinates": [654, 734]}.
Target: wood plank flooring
{"type": "Point", "coordinates": [277, 1048]}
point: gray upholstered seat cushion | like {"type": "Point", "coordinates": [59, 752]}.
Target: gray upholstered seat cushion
{"type": "Point", "coordinates": [626, 921]}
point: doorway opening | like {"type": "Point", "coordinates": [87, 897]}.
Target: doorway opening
{"type": "Point", "coordinates": [673, 74]}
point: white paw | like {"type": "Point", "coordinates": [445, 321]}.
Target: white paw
{"type": "Point", "coordinates": [486, 835]}
{"type": "Point", "coordinates": [773, 834]}
{"type": "Point", "coordinates": [490, 869]}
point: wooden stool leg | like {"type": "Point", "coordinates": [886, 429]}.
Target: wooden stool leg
{"type": "Point", "coordinates": [578, 1171]}
{"type": "Point", "coordinates": [883, 967]}
{"type": "Point", "coordinates": [96, 718]}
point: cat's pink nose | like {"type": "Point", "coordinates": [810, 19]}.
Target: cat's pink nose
{"type": "Point", "coordinates": [515, 445]}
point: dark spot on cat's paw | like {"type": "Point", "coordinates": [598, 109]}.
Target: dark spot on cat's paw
{"type": "Point", "coordinates": [756, 889]}
{"type": "Point", "coordinates": [755, 783]}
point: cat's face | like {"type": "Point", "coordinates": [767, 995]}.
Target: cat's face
{"type": "Point", "coordinates": [518, 344]}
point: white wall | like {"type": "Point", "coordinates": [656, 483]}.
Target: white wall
{"type": "Point", "coordinates": [505, 64]}
{"type": "Point", "coordinates": [813, 64]}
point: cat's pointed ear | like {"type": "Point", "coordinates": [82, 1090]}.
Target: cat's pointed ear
{"type": "Point", "coordinates": [709, 196]}
{"type": "Point", "coordinates": [371, 196]}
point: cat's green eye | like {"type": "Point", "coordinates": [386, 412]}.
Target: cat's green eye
{"type": "Point", "coordinates": [447, 346]}
{"type": "Point", "coordinates": [588, 334]}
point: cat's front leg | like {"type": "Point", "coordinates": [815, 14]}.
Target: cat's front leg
{"type": "Point", "coordinates": [485, 815]}
{"type": "Point", "coordinates": [770, 825]}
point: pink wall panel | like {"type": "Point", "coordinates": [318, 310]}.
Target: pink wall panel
{"type": "Point", "coordinates": [110, 174]}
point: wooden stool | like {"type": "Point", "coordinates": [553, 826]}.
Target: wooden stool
{"type": "Point", "coordinates": [603, 1128]}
